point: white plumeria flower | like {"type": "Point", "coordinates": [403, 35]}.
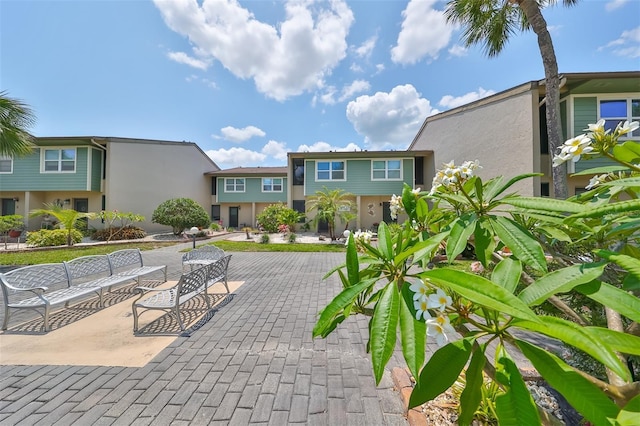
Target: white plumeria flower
{"type": "Point", "coordinates": [439, 300]}
{"type": "Point", "coordinates": [395, 206]}
{"type": "Point", "coordinates": [576, 152]}
{"type": "Point", "coordinates": [597, 127]}
{"type": "Point", "coordinates": [577, 141]}
{"type": "Point", "coordinates": [420, 290]}
{"type": "Point", "coordinates": [422, 311]}
{"type": "Point", "coordinates": [560, 159]}
{"type": "Point", "coordinates": [627, 127]}
{"type": "Point", "coordinates": [437, 327]}
{"type": "Point", "coordinates": [595, 181]}
{"type": "Point", "coordinates": [416, 191]}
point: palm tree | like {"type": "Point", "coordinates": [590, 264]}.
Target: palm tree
{"type": "Point", "coordinates": [490, 23]}
{"type": "Point", "coordinates": [68, 218]}
{"type": "Point", "coordinates": [15, 118]}
{"type": "Point", "coordinates": [331, 204]}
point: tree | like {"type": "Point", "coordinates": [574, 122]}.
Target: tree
{"type": "Point", "coordinates": [277, 214]}
{"type": "Point", "coordinates": [180, 213]}
{"type": "Point", "coordinates": [490, 23]}
{"type": "Point", "coordinates": [15, 118]}
{"type": "Point", "coordinates": [331, 204]}
{"type": "Point", "coordinates": [68, 218]}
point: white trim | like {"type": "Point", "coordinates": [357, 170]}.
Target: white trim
{"type": "Point", "coordinates": [386, 170]}
{"type": "Point", "coordinates": [234, 185]}
{"type": "Point", "coordinates": [344, 170]}
{"type": "Point", "coordinates": [3, 158]}
{"type": "Point", "coordinates": [44, 149]}
{"type": "Point", "coordinates": [272, 185]}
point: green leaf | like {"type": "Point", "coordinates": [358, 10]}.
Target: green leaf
{"type": "Point", "coordinates": [422, 209]}
{"type": "Point", "coordinates": [384, 324]}
{"type": "Point", "coordinates": [584, 396]}
{"type": "Point", "coordinates": [608, 295]}
{"type": "Point", "coordinates": [560, 281]}
{"type": "Point", "coordinates": [618, 207]}
{"type": "Point", "coordinates": [555, 233]}
{"type": "Point", "coordinates": [516, 406]}
{"type": "Point", "coordinates": [521, 242]}
{"type": "Point", "coordinates": [409, 201]}
{"type": "Point", "coordinates": [413, 333]}
{"type": "Point", "coordinates": [632, 265]}
{"type": "Point", "coordinates": [578, 337]}
{"type": "Point", "coordinates": [423, 249]}
{"type": "Point", "coordinates": [493, 191]}
{"type": "Point", "coordinates": [459, 237]}
{"type": "Point", "coordinates": [353, 266]}
{"type": "Point", "coordinates": [338, 304]}
{"type": "Point", "coordinates": [471, 394]}
{"type": "Point", "coordinates": [628, 151]}
{"type": "Point", "coordinates": [630, 181]}
{"type": "Point", "coordinates": [618, 341]}
{"type": "Point", "coordinates": [480, 290]}
{"type": "Point", "coordinates": [441, 371]}
{"type": "Point", "coordinates": [384, 241]}
{"type": "Point", "coordinates": [545, 204]}
{"type": "Point", "coordinates": [507, 274]}
{"type": "Point", "coordinates": [630, 414]}
{"type": "Point", "coordinates": [600, 170]}
{"type": "Point", "coordinates": [484, 242]}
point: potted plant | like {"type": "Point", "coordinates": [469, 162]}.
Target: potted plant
{"type": "Point", "coordinates": [11, 226]}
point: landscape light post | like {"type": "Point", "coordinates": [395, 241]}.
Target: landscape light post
{"type": "Point", "coordinates": [193, 232]}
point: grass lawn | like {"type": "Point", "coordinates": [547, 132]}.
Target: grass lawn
{"type": "Point", "coordinates": [294, 247]}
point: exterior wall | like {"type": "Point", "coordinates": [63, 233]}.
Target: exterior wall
{"type": "Point", "coordinates": [253, 191]}
{"type": "Point", "coordinates": [141, 175]}
{"type": "Point", "coordinates": [499, 134]}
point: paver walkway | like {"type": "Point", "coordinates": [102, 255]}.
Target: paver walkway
{"type": "Point", "coordinates": [253, 362]}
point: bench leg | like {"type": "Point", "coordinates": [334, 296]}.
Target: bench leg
{"type": "Point", "coordinates": [47, 328]}
{"type": "Point", "coordinates": [135, 317]}
{"type": "Point", "coordinates": [177, 314]}
{"type": "Point", "coordinates": [5, 324]}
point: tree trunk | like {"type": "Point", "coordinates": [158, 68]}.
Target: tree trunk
{"type": "Point", "coordinates": [534, 16]}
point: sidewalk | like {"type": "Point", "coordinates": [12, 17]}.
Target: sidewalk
{"type": "Point", "coordinates": [253, 362]}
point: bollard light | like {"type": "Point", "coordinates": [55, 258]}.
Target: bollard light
{"type": "Point", "coordinates": [194, 231]}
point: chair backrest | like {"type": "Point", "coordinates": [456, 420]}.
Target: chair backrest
{"type": "Point", "coordinates": [87, 268]}
{"type": "Point", "coordinates": [51, 275]}
{"type": "Point", "coordinates": [125, 258]}
{"type": "Point", "coordinates": [218, 269]}
{"type": "Point", "coordinates": [192, 281]}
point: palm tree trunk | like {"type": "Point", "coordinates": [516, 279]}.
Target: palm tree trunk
{"type": "Point", "coordinates": [554, 128]}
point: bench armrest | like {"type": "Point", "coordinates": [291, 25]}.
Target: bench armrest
{"type": "Point", "coordinates": [39, 290]}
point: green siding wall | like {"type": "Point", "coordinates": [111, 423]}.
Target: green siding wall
{"type": "Point", "coordinates": [358, 174]}
{"type": "Point", "coordinates": [585, 112]}
{"type": "Point", "coordinates": [26, 175]}
{"type": "Point", "coordinates": [253, 192]}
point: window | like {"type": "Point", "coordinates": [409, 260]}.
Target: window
{"type": "Point", "coordinates": [271, 184]}
{"type": "Point", "coordinates": [234, 185]}
{"type": "Point", "coordinates": [59, 160]}
{"type": "Point", "coordinates": [6, 164]}
{"type": "Point", "coordinates": [615, 111]}
{"type": "Point", "coordinates": [330, 170]}
{"type": "Point", "coordinates": [386, 170]}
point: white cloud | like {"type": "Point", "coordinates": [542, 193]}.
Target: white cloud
{"type": "Point", "coordinates": [389, 120]}
{"type": "Point", "coordinates": [284, 60]}
{"type": "Point", "coordinates": [240, 135]}
{"type": "Point", "coordinates": [347, 92]}
{"type": "Point", "coordinates": [449, 101]}
{"type": "Point", "coordinates": [322, 146]}
{"type": "Point", "coordinates": [365, 49]}
{"type": "Point", "coordinates": [183, 58]}
{"type": "Point", "coordinates": [457, 50]}
{"type": "Point", "coordinates": [277, 150]}
{"type": "Point", "coordinates": [615, 4]}
{"type": "Point", "coordinates": [425, 32]}
{"type": "Point", "coordinates": [627, 45]}
{"type": "Point", "coordinates": [235, 157]}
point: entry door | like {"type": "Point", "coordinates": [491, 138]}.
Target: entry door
{"type": "Point", "coordinates": [81, 205]}
{"type": "Point", "coordinates": [8, 206]}
{"type": "Point", "coordinates": [233, 217]}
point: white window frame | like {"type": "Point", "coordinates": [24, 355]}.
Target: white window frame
{"type": "Point", "coordinates": [10, 160]}
{"type": "Point", "coordinates": [235, 184]}
{"type": "Point", "coordinates": [331, 170]}
{"type": "Point", "coordinates": [386, 170]}
{"type": "Point", "coordinates": [43, 160]}
{"type": "Point", "coordinates": [273, 184]}
{"type": "Point", "coordinates": [628, 97]}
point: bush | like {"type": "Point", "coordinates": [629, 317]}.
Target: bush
{"type": "Point", "coordinates": [275, 215]}
{"type": "Point", "coordinates": [215, 226]}
{"type": "Point", "coordinates": [181, 213]}
{"type": "Point", "coordinates": [52, 237]}
{"type": "Point", "coordinates": [291, 237]}
{"type": "Point", "coordinates": [123, 233]}
{"type": "Point", "coordinates": [264, 239]}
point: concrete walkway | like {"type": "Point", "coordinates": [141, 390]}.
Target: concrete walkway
{"type": "Point", "coordinates": [253, 362]}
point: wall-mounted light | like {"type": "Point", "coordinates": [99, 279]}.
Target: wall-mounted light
{"type": "Point", "coordinates": [67, 202]}
{"type": "Point", "coordinates": [16, 199]}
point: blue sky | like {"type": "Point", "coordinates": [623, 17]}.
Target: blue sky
{"type": "Point", "coordinates": [249, 81]}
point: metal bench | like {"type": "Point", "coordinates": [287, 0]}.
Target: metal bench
{"type": "Point", "coordinates": [190, 285]}
{"type": "Point", "coordinates": [39, 287]}
{"type": "Point", "coordinates": [203, 255]}
{"type": "Point", "coordinates": [129, 262]}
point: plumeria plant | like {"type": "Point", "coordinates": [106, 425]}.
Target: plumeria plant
{"type": "Point", "coordinates": [523, 245]}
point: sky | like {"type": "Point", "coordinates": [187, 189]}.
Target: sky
{"type": "Point", "coordinates": [249, 81]}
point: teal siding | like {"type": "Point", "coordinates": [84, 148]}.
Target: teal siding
{"type": "Point", "coordinates": [26, 175]}
{"type": "Point", "coordinates": [585, 113]}
{"type": "Point", "coordinates": [96, 169]}
{"type": "Point", "coordinates": [253, 192]}
{"type": "Point", "coordinates": [358, 179]}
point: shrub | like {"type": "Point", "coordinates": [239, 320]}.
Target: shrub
{"type": "Point", "coordinates": [181, 213]}
{"type": "Point", "coordinates": [123, 233]}
{"type": "Point", "coordinates": [291, 237]}
{"type": "Point", "coordinates": [53, 237]}
{"type": "Point", "coordinates": [215, 226]}
{"type": "Point", "coordinates": [264, 239]}
{"type": "Point", "coordinates": [275, 215]}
